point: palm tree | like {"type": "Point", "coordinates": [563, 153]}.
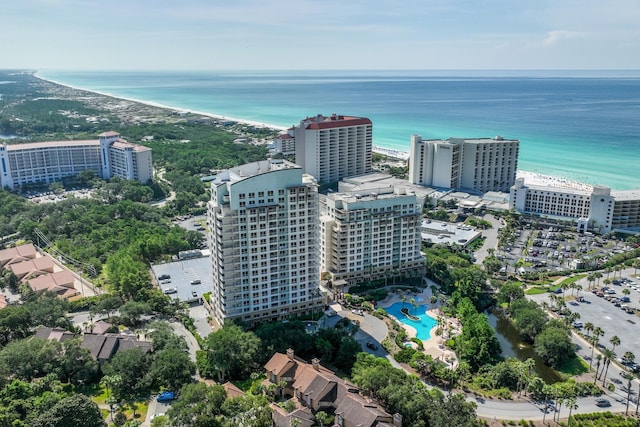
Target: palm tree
{"type": "Point", "coordinates": [572, 403]}
{"type": "Point", "coordinates": [626, 291]}
{"type": "Point", "coordinates": [608, 355]}
{"type": "Point", "coordinates": [414, 304]}
{"type": "Point", "coordinates": [599, 358]}
{"type": "Point", "coordinates": [629, 378]}
{"type": "Point", "coordinates": [635, 265]}
{"type": "Point", "coordinates": [608, 270]}
{"type": "Point", "coordinates": [615, 341]}
{"type": "Point", "coordinates": [597, 333]}
{"type": "Point", "coordinates": [618, 268]}
{"type": "Point", "coordinates": [591, 278]}
{"type": "Point", "coordinates": [629, 357]}
{"type": "Point", "coordinates": [588, 327]}
{"type": "Point", "coordinates": [598, 276]}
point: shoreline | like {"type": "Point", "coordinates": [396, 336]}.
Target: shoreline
{"type": "Point", "coordinates": [531, 178]}
{"type": "Point", "coordinates": [164, 106]}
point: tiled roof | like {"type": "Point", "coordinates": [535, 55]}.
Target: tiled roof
{"type": "Point", "coordinates": [17, 254]}
{"type": "Point", "coordinates": [323, 386]}
{"type": "Point", "coordinates": [30, 267]}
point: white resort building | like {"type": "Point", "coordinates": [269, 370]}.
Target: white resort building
{"type": "Point", "coordinates": [264, 242]}
{"type": "Point", "coordinates": [46, 162]}
{"type": "Point", "coordinates": [334, 147]}
{"type": "Point", "coordinates": [478, 164]}
{"type": "Point", "coordinates": [595, 208]}
{"type": "Point", "coordinates": [365, 237]}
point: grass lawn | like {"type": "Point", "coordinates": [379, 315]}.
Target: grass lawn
{"type": "Point", "coordinates": [574, 366]}
{"type": "Point", "coordinates": [536, 290]}
{"type": "Point", "coordinates": [573, 279]}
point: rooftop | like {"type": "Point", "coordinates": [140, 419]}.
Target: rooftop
{"type": "Point", "coordinates": [333, 121]}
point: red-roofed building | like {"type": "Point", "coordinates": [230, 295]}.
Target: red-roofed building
{"type": "Point", "coordinates": [333, 147]}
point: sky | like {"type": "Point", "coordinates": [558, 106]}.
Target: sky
{"type": "Point", "coordinates": [319, 34]}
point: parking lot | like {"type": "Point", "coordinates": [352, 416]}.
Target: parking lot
{"type": "Point", "coordinates": [186, 280]}
{"type": "Point", "coordinates": [542, 248]}
{"type": "Point", "coordinates": [603, 313]}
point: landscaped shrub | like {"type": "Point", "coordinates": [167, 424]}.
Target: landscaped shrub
{"type": "Point", "coordinates": [404, 355]}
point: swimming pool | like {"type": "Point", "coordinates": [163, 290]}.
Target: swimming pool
{"type": "Point", "coordinates": [423, 326]}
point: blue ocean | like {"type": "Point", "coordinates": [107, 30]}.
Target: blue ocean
{"type": "Point", "coordinates": [579, 125]}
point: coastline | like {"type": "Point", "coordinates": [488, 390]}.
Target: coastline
{"type": "Point", "coordinates": [531, 178]}
{"type": "Point", "coordinates": [164, 106]}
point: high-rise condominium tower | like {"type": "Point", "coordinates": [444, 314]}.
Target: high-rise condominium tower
{"type": "Point", "coordinates": [334, 147]}
{"type": "Point", "coordinates": [263, 240]}
{"type": "Point", "coordinates": [480, 164]}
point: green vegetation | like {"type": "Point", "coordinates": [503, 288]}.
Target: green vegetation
{"type": "Point", "coordinates": [407, 395]}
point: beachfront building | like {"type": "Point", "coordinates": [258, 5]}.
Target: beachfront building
{"type": "Point", "coordinates": [594, 208]}
{"type": "Point", "coordinates": [46, 162]}
{"type": "Point", "coordinates": [333, 147]}
{"type": "Point", "coordinates": [477, 164]}
{"type": "Point", "coordinates": [285, 144]}
{"type": "Point", "coordinates": [370, 236]}
{"type": "Point", "coordinates": [263, 241]}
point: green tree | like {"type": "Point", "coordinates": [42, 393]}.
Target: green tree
{"type": "Point", "coordinates": [15, 323]}
{"type": "Point", "coordinates": [198, 404]}
{"type": "Point", "coordinates": [615, 341]}
{"type": "Point", "coordinates": [230, 353]}
{"type": "Point", "coordinates": [171, 368]}
{"type": "Point", "coordinates": [509, 292]}
{"type": "Point", "coordinates": [554, 345]}
{"type": "Point", "coordinates": [76, 410]}
{"type": "Point", "coordinates": [132, 367]}
{"type": "Point", "coordinates": [478, 345]}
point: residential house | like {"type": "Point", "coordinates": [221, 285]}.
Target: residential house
{"type": "Point", "coordinates": [315, 388]}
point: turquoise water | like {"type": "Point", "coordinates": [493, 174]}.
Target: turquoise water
{"type": "Point", "coordinates": [578, 125]}
{"type": "Point", "coordinates": [423, 326]}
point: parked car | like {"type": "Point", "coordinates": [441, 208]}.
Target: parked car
{"type": "Point", "coordinates": [196, 282]}
{"type": "Point", "coordinates": [166, 396]}
{"type": "Point", "coordinates": [164, 277]}
{"type": "Point", "coordinates": [601, 401]}
{"type": "Point", "coordinates": [169, 291]}
{"type": "Point", "coordinates": [372, 345]}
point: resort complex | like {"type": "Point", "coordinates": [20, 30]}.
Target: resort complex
{"type": "Point", "coordinates": [593, 208]}
{"type": "Point", "coordinates": [365, 236]}
{"type": "Point", "coordinates": [331, 148]}
{"type": "Point", "coordinates": [47, 162]}
{"type": "Point", "coordinates": [478, 164]}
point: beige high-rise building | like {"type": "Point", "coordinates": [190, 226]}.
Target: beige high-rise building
{"type": "Point", "coordinates": [46, 162]}
{"type": "Point", "coordinates": [334, 147]}
{"type": "Point", "coordinates": [479, 164]}
{"type": "Point", "coordinates": [371, 236]}
{"type": "Point", "coordinates": [264, 242]}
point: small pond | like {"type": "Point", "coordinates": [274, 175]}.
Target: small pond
{"type": "Point", "coordinates": [513, 346]}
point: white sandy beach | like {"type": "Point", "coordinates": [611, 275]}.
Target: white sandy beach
{"type": "Point", "coordinates": [169, 107]}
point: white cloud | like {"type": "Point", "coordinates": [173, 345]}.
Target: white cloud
{"type": "Point", "coordinates": [557, 36]}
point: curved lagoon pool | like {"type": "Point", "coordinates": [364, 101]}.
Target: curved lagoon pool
{"type": "Point", "coordinates": [423, 326]}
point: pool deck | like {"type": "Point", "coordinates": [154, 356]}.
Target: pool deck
{"type": "Point", "coordinates": [433, 346]}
